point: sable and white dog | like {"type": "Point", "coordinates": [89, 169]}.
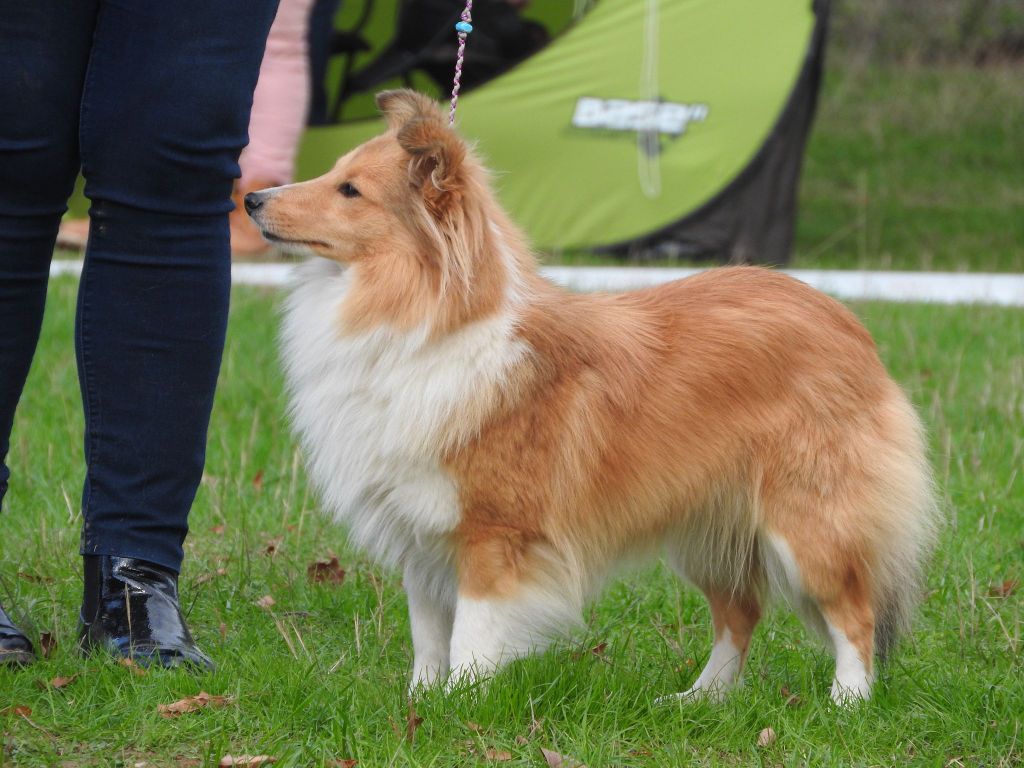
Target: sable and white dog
{"type": "Point", "coordinates": [507, 443]}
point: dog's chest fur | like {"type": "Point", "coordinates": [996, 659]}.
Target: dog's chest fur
{"type": "Point", "coordinates": [376, 411]}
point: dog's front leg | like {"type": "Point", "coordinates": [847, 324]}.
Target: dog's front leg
{"type": "Point", "coordinates": [486, 634]}
{"type": "Point", "coordinates": [431, 612]}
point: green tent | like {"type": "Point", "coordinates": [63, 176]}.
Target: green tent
{"type": "Point", "coordinates": [672, 126]}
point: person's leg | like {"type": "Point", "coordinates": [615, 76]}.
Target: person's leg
{"type": "Point", "coordinates": [44, 46]}
{"type": "Point", "coordinates": [164, 114]}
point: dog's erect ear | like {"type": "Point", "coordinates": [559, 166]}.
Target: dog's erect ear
{"type": "Point", "coordinates": [438, 155]}
{"type": "Point", "coordinates": [401, 106]}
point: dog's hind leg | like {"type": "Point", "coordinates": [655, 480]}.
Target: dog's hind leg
{"type": "Point", "coordinates": [734, 617]}
{"type": "Point", "coordinates": [830, 587]}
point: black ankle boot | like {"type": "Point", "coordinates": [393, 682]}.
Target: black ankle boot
{"type": "Point", "coordinates": [130, 609]}
{"type": "Point", "coordinates": [15, 648]}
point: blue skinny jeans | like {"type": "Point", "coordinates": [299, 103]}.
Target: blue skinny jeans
{"type": "Point", "coordinates": [150, 100]}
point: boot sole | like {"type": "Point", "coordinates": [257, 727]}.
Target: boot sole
{"type": "Point", "coordinates": [16, 658]}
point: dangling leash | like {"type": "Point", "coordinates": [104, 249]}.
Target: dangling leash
{"type": "Point", "coordinates": [463, 27]}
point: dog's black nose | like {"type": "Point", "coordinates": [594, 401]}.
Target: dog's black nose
{"type": "Point", "coordinates": [253, 202]}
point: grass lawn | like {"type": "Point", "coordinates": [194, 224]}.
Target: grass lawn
{"type": "Point", "coordinates": [915, 168]}
{"type": "Point", "coordinates": [320, 676]}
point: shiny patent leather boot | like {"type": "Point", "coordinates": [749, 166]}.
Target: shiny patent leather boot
{"type": "Point", "coordinates": [15, 648]}
{"type": "Point", "coordinates": [130, 609]}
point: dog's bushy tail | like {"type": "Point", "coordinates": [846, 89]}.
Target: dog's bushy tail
{"type": "Point", "coordinates": [908, 539]}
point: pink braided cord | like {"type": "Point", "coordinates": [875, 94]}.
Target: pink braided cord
{"type": "Point", "coordinates": [467, 16]}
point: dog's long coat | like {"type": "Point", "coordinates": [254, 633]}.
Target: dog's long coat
{"type": "Point", "coordinates": [507, 444]}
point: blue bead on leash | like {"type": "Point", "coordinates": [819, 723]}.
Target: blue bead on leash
{"type": "Point", "coordinates": [463, 28]}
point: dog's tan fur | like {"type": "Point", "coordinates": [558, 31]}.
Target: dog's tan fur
{"type": "Point", "coordinates": [739, 419]}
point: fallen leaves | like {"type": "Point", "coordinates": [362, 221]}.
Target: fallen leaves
{"type": "Point", "coordinates": [210, 576]}
{"type": "Point", "coordinates": [792, 699]}
{"type": "Point", "coordinates": [272, 545]}
{"type": "Point", "coordinates": [245, 760]}
{"type": "Point", "coordinates": [20, 710]}
{"type": "Point", "coordinates": [201, 700]}
{"type": "Point", "coordinates": [326, 571]}
{"type": "Point", "coordinates": [257, 481]}
{"type": "Point", "coordinates": [1007, 588]}
{"type": "Point", "coordinates": [766, 737]}
{"type": "Point", "coordinates": [343, 763]}
{"type": "Point", "coordinates": [412, 722]}
{"type": "Point", "coordinates": [47, 643]}
{"type": "Point", "coordinates": [556, 760]}
{"type": "Point", "coordinates": [132, 666]}
{"type": "Point", "coordinates": [498, 755]}
{"type": "Point", "coordinates": [598, 650]}
{"type": "Point", "coordinates": [34, 578]}
{"type": "Point", "coordinates": [62, 682]}
{"type": "Point", "coordinates": [266, 602]}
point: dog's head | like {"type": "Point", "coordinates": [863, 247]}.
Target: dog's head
{"type": "Point", "coordinates": [410, 210]}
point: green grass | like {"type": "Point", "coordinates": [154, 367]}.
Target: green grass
{"type": "Point", "coordinates": [322, 675]}
{"type": "Point", "coordinates": [915, 168]}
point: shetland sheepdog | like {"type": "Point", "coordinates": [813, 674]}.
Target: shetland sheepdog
{"type": "Point", "coordinates": [507, 444]}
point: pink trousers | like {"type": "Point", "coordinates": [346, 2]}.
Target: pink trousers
{"type": "Point", "coordinates": [281, 101]}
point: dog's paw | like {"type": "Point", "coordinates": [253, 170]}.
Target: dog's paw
{"type": "Point", "coordinates": [711, 693]}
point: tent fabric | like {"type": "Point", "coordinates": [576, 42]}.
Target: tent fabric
{"type": "Point", "coordinates": [625, 134]}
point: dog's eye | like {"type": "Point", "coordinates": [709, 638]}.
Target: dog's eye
{"type": "Point", "coordinates": [348, 190]}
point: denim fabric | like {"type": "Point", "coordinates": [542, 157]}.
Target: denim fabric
{"type": "Point", "coordinates": [151, 100]}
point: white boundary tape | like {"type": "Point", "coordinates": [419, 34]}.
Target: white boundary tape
{"type": "Point", "coordinates": [937, 287]}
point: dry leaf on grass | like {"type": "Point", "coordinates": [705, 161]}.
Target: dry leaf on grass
{"type": "Point", "coordinates": [272, 546]}
{"type": "Point", "coordinates": [266, 602]}
{"type": "Point", "coordinates": [219, 529]}
{"type": "Point", "coordinates": [412, 722]}
{"type": "Point", "coordinates": [132, 666]}
{"type": "Point", "coordinates": [210, 576]}
{"type": "Point", "coordinates": [1005, 589]}
{"type": "Point", "coordinates": [193, 704]}
{"type": "Point", "coordinates": [245, 760]}
{"type": "Point", "coordinates": [792, 700]}
{"type": "Point", "coordinates": [20, 710]}
{"type": "Point", "coordinates": [326, 571]}
{"type": "Point", "coordinates": [498, 755]}
{"type": "Point", "coordinates": [766, 737]}
{"type": "Point", "coordinates": [62, 682]}
{"type": "Point", "coordinates": [597, 650]}
{"type": "Point", "coordinates": [47, 643]}
{"type": "Point", "coordinates": [344, 763]}
{"type": "Point", "coordinates": [257, 481]}
{"type": "Point", "coordinates": [555, 760]}
{"type": "Point", "coordinates": [34, 578]}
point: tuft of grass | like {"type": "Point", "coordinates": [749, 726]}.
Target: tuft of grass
{"type": "Point", "coordinates": [321, 675]}
{"type": "Point", "coordinates": [915, 168]}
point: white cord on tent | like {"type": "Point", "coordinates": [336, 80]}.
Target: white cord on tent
{"type": "Point", "coordinates": [579, 7]}
{"type": "Point", "coordinates": [648, 156]}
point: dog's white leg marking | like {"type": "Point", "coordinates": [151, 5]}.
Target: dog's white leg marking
{"type": "Point", "coordinates": [722, 671]}
{"type": "Point", "coordinates": [852, 682]}
{"type": "Point", "coordinates": [720, 675]}
{"type": "Point", "coordinates": [480, 638]}
{"type": "Point", "coordinates": [489, 632]}
{"type": "Point", "coordinates": [430, 616]}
